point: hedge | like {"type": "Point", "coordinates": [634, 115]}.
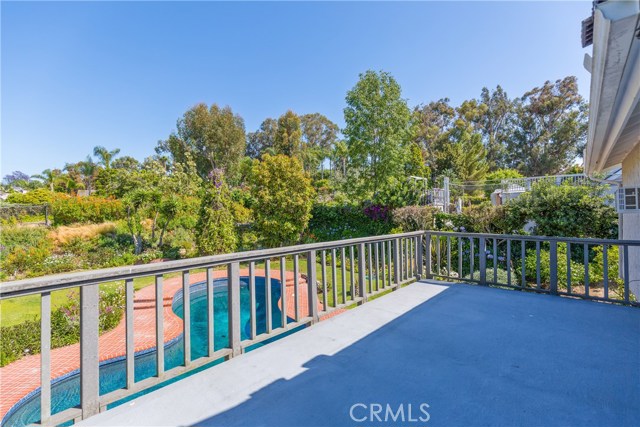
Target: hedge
{"type": "Point", "coordinates": [74, 209]}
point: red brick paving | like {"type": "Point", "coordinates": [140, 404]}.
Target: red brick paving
{"type": "Point", "coordinates": [23, 376]}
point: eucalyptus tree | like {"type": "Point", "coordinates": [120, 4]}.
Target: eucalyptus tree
{"type": "Point", "coordinates": [213, 136]}
{"type": "Point", "coordinates": [377, 132]}
{"type": "Point", "coordinates": [550, 128]}
{"type": "Point", "coordinates": [262, 139]}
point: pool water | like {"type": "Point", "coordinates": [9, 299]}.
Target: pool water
{"type": "Point", "coordinates": [65, 392]}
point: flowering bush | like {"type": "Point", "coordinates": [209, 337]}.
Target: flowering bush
{"type": "Point", "coordinates": [377, 212]}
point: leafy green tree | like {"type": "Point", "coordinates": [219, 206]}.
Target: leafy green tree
{"type": "Point", "coordinates": [319, 134]}
{"type": "Point", "coordinates": [433, 123]}
{"type": "Point", "coordinates": [288, 139]}
{"type": "Point", "coordinates": [471, 158]}
{"type": "Point", "coordinates": [416, 163]}
{"type": "Point", "coordinates": [125, 162]}
{"type": "Point", "coordinates": [378, 131]}
{"type": "Point", "coordinates": [213, 137]}
{"type": "Point", "coordinates": [495, 178]}
{"type": "Point", "coordinates": [262, 139]}
{"type": "Point", "coordinates": [215, 227]}
{"type": "Point", "coordinates": [105, 156]}
{"type": "Point", "coordinates": [283, 196]}
{"type": "Point", "coordinates": [565, 211]}
{"type": "Point", "coordinates": [550, 128]}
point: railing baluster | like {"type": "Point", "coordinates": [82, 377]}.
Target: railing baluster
{"type": "Point", "coordinates": [45, 358]}
{"type": "Point", "coordinates": [343, 266]}
{"type": "Point", "coordinates": [625, 262]}
{"type": "Point", "coordinates": [472, 266]}
{"type": "Point", "coordinates": [334, 278]}
{"type": "Point", "coordinates": [538, 280]}
{"type": "Point", "coordinates": [605, 272]}
{"type": "Point", "coordinates": [523, 255]}
{"type": "Point", "coordinates": [482, 253]}
{"type": "Point", "coordinates": [370, 268]}
{"type": "Point", "coordinates": [352, 268]}
{"type": "Point", "coordinates": [210, 313]}
{"type": "Point", "coordinates": [233, 282]}
{"type": "Point", "coordinates": [419, 259]}
{"type": "Point", "coordinates": [283, 292]}
{"type": "Point", "coordinates": [130, 352]}
{"type": "Point", "coordinates": [438, 255]}
{"type": "Point", "coordinates": [568, 267]}
{"type": "Point", "coordinates": [362, 287]}
{"type": "Point", "coordinates": [427, 267]}
{"type": "Point", "coordinates": [586, 270]}
{"type": "Point", "coordinates": [383, 254]}
{"type": "Point", "coordinates": [89, 369]}
{"type": "Point", "coordinates": [509, 262]}
{"type": "Point", "coordinates": [252, 299]}
{"type": "Point", "coordinates": [377, 263]}
{"type": "Point", "coordinates": [396, 263]}
{"type": "Point", "coordinates": [390, 272]}
{"type": "Point", "coordinates": [495, 260]}
{"type": "Point", "coordinates": [448, 256]}
{"type": "Point", "coordinates": [460, 275]}
{"type": "Point", "coordinates": [159, 325]}
{"type": "Point", "coordinates": [186, 320]}
{"type": "Point", "coordinates": [296, 285]}
{"type": "Point", "coordinates": [267, 294]}
{"type": "Point", "coordinates": [323, 261]}
{"type": "Point", "coordinates": [553, 267]}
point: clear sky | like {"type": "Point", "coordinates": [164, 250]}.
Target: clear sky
{"type": "Point", "coordinates": [77, 75]}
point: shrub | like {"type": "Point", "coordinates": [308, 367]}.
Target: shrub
{"type": "Point", "coordinates": [414, 218]}
{"type": "Point", "coordinates": [337, 221]}
{"type": "Point", "coordinates": [73, 209]}
{"type": "Point", "coordinates": [38, 196]}
{"type": "Point", "coordinates": [577, 269]}
{"type": "Point", "coordinates": [565, 210]}
{"type": "Point", "coordinates": [283, 197]}
{"type": "Point", "coordinates": [23, 250]}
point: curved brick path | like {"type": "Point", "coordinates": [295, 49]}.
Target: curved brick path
{"type": "Point", "coordinates": [23, 376]}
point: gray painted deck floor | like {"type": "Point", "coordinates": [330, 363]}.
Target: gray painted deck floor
{"type": "Point", "coordinates": [477, 356]}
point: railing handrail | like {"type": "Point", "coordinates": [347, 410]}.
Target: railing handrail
{"type": "Point", "coordinates": [582, 240]}
{"type": "Point", "coordinates": [82, 278]}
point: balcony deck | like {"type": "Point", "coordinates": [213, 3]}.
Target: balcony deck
{"type": "Point", "coordinates": [475, 355]}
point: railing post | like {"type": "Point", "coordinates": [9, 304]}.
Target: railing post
{"type": "Point", "coordinates": [428, 275]}
{"type": "Point", "coordinates": [89, 368]}
{"type": "Point", "coordinates": [362, 286]}
{"type": "Point", "coordinates": [45, 358]}
{"type": "Point", "coordinates": [553, 267]}
{"type": "Point", "coordinates": [233, 280]}
{"type": "Point", "coordinates": [312, 286]}
{"type": "Point", "coordinates": [482, 253]}
{"type": "Point", "coordinates": [419, 262]}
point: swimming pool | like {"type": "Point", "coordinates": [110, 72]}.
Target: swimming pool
{"type": "Point", "coordinates": [65, 391]}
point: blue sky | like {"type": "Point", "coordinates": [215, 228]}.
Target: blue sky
{"type": "Point", "coordinates": [77, 75]}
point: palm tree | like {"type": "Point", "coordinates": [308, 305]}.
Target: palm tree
{"type": "Point", "coordinates": [48, 177]}
{"type": "Point", "coordinates": [87, 170]}
{"type": "Point", "coordinates": [105, 156]}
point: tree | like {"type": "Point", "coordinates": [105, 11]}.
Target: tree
{"type": "Point", "coordinates": [378, 130]}
{"type": "Point", "coordinates": [125, 162]}
{"type": "Point", "coordinates": [215, 227]}
{"type": "Point", "coordinates": [48, 177]}
{"type": "Point", "coordinates": [16, 178]}
{"type": "Point", "coordinates": [105, 156]}
{"type": "Point", "coordinates": [319, 134]}
{"type": "Point", "coordinates": [288, 139]}
{"type": "Point", "coordinates": [214, 138]}
{"type": "Point", "coordinates": [262, 139]}
{"type": "Point", "coordinates": [433, 122]}
{"type": "Point", "coordinates": [87, 171]}
{"type": "Point", "coordinates": [283, 196]}
{"type": "Point", "coordinates": [471, 158]}
{"type": "Point", "coordinates": [495, 124]}
{"type": "Point", "coordinates": [550, 128]}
